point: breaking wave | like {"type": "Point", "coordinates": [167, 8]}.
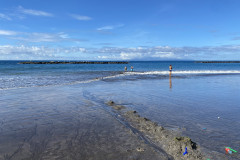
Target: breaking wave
{"type": "Point", "coordinates": [123, 75]}
{"type": "Point", "coordinates": [185, 72]}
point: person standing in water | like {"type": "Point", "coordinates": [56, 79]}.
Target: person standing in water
{"type": "Point", "coordinates": [125, 68]}
{"type": "Point", "coordinates": [131, 68]}
{"type": "Point", "coordinates": [170, 68]}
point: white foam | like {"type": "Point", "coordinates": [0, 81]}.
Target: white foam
{"type": "Point", "coordinates": [185, 72]}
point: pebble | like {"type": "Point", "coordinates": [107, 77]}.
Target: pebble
{"type": "Point", "coordinates": [140, 149]}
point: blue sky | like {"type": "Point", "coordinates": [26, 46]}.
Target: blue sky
{"type": "Point", "coordinates": [120, 30]}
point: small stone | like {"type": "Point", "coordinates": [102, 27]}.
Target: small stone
{"type": "Point", "coordinates": [140, 149]}
{"type": "Point", "coordinates": [110, 103]}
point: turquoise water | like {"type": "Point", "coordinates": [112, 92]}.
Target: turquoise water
{"type": "Point", "coordinates": [200, 100]}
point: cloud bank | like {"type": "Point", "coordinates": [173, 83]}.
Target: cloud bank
{"type": "Point", "coordinates": [115, 53]}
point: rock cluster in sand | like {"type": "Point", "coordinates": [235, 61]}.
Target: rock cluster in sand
{"type": "Point", "coordinates": [170, 141]}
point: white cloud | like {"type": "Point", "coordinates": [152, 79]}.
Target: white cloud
{"type": "Point", "coordinates": [38, 37]}
{"type": "Point", "coordinates": [41, 37]}
{"type": "Point", "coordinates": [164, 55]}
{"type": "Point", "coordinates": [34, 12]}
{"type": "Point", "coordinates": [115, 53]}
{"type": "Point", "coordinates": [38, 52]}
{"type": "Point", "coordinates": [110, 27]}
{"type": "Point", "coordinates": [80, 17]}
{"type": "Point", "coordinates": [167, 52]}
{"type": "Point", "coordinates": [4, 16]}
{"type": "Point", "coordinates": [105, 28]}
{"type": "Point", "coordinates": [107, 57]}
{"type": "Point", "coordinates": [7, 33]}
{"type": "Point", "coordinates": [130, 55]}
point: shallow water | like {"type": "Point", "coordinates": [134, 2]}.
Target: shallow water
{"type": "Point", "coordinates": [203, 108]}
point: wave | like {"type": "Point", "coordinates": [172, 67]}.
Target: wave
{"type": "Point", "coordinates": [53, 85]}
{"type": "Point", "coordinates": [129, 74]}
{"type": "Point", "coordinates": [185, 72]}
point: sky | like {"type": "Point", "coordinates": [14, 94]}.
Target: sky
{"type": "Point", "coordinates": [119, 30]}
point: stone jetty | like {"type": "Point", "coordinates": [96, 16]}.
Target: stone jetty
{"type": "Point", "coordinates": [74, 62]}
{"type": "Point", "coordinates": [217, 61]}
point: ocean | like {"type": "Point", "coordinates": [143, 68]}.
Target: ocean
{"type": "Point", "coordinates": [200, 100]}
{"type": "Point", "coordinates": [15, 75]}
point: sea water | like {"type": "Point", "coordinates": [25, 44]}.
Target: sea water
{"type": "Point", "coordinates": [201, 100]}
{"type": "Point", "coordinates": [15, 75]}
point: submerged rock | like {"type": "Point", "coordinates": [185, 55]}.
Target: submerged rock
{"type": "Point", "coordinates": [119, 107]}
{"type": "Point", "coordinates": [114, 106]}
{"type": "Point", "coordinates": [110, 103]}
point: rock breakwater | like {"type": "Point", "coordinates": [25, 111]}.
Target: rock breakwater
{"type": "Point", "coordinates": [74, 62]}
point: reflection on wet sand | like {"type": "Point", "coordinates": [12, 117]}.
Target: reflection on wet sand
{"type": "Point", "coordinates": [170, 80]}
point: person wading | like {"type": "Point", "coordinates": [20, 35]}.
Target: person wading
{"type": "Point", "coordinates": [170, 68]}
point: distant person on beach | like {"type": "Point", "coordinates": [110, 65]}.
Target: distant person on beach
{"type": "Point", "coordinates": [170, 68]}
{"type": "Point", "coordinates": [125, 68]}
{"type": "Point", "coordinates": [131, 68]}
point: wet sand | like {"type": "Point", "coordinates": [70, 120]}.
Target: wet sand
{"type": "Point", "coordinates": [66, 123]}
{"type": "Point", "coordinates": [32, 127]}
{"type": "Point", "coordinates": [88, 137]}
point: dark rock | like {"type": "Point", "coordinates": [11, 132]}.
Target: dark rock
{"type": "Point", "coordinates": [74, 62]}
{"type": "Point", "coordinates": [110, 103]}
